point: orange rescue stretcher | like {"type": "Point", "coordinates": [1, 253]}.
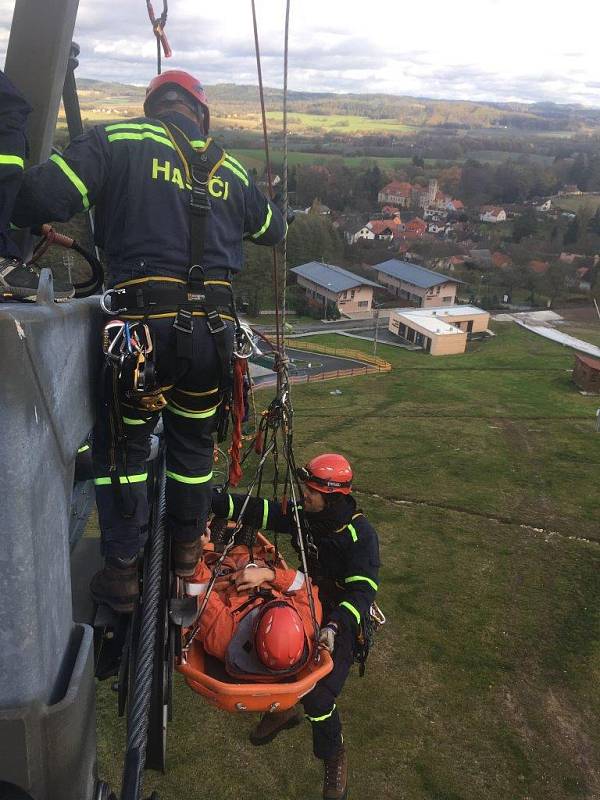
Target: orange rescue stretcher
{"type": "Point", "coordinates": [207, 676]}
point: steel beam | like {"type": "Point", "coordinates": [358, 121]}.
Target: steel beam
{"type": "Point", "coordinates": [36, 62]}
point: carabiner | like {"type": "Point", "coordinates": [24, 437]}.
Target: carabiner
{"type": "Point", "coordinates": [107, 296]}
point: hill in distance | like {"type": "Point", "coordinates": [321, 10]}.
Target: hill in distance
{"type": "Point", "coordinates": [236, 102]}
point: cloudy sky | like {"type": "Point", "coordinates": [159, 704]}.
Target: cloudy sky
{"type": "Point", "coordinates": [526, 50]}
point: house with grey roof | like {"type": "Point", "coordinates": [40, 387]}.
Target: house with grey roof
{"type": "Point", "coordinates": [325, 283]}
{"type": "Point", "coordinates": [417, 285]}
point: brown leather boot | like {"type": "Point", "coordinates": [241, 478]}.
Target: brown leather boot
{"type": "Point", "coordinates": [335, 783]}
{"type": "Point", "coordinates": [117, 585]}
{"type": "Point", "coordinates": [185, 557]}
{"type": "Point", "coordinates": [273, 723]}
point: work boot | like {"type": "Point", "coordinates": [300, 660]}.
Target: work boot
{"type": "Point", "coordinates": [21, 281]}
{"type": "Point", "coordinates": [273, 723]}
{"type": "Point", "coordinates": [117, 585]}
{"type": "Point", "coordinates": [335, 783]}
{"type": "Point", "coordinates": [185, 557]}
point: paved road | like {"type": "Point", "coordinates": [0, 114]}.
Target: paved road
{"type": "Point", "coordinates": [309, 364]}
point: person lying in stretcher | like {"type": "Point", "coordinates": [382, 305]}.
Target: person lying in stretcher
{"type": "Point", "coordinates": [257, 619]}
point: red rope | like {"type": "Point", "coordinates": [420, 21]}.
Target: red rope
{"type": "Point", "coordinates": [237, 413]}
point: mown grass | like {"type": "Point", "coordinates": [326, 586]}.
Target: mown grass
{"type": "Point", "coordinates": [255, 159]}
{"type": "Point", "coordinates": [483, 683]}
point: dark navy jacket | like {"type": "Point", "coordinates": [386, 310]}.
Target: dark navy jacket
{"type": "Point", "coordinates": [132, 173]}
{"type": "Point", "coordinates": [13, 150]}
{"type": "Point", "coordinates": [347, 569]}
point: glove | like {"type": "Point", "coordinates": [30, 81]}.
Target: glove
{"type": "Point", "coordinates": [278, 201]}
{"type": "Point", "coordinates": [327, 636]}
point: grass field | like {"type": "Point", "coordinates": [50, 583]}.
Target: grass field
{"type": "Point", "coordinates": [252, 158]}
{"type": "Point", "coordinates": [480, 474]}
{"type": "Point", "coordinates": [577, 202]}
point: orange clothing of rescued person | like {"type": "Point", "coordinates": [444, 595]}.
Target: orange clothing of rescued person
{"type": "Point", "coordinates": [231, 600]}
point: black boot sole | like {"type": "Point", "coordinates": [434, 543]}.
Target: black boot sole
{"type": "Point", "coordinates": [291, 723]}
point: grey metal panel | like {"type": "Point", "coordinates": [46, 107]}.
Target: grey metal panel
{"type": "Point", "coordinates": [49, 362]}
{"type": "Point", "coordinates": [49, 751]}
{"type": "Point", "coordinates": [332, 278]}
{"type": "Point", "coordinates": [44, 28]}
{"type": "Point", "coordinates": [411, 273]}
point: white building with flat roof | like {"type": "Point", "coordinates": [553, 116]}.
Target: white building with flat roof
{"type": "Point", "coordinates": [442, 330]}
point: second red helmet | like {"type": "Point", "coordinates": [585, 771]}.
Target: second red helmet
{"type": "Point", "coordinates": [279, 637]}
{"type": "Point", "coordinates": [327, 473]}
{"type": "Point", "coordinates": [181, 80]}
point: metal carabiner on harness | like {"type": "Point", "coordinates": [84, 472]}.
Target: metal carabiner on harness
{"type": "Point", "coordinates": [244, 345]}
{"type": "Point", "coordinates": [106, 298]}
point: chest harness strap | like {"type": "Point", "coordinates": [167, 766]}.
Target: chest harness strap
{"type": "Point", "coordinates": [198, 166]}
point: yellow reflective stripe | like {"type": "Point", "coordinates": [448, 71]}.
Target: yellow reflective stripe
{"type": "Point", "coordinates": [73, 177]}
{"type": "Point", "coordinates": [137, 137]}
{"type": "Point", "coordinates": [159, 278]}
{"type": "Point", "coordinates": [123, 479]}
{"type": "Point", "coordinates": [236, 163]}
{"type": "Point", "coordinates": [198, 143]}
{"type": "Point", "coordinates": [119, 126]}
{"type": "Point", "coordinates": [266, 225]}
{"type": "Point", "coordinates": [83, 448]}
{"type": "Point", "coordinates": [323, 718]}
{"type": "Point", "coordinates": [265, 517]}
{"type": "Point", "coordinates": [169, 314]}
{"type": "Point", "coordinates": [16, 161]}
{"type": "Point", "coordinates": [352, 610]}
{"type": "Point", "coordinates": [192, 414]}
{"type": "Point", "coordinates": [236, 171]}
{"type": "Point", "coordinates": [131, 421]}
{"type": "Point", "coordinates": [186, 479]}
{"type": "Point", "coordinates": [231, 508]}
{"type": "Point", "coordinates": [353, 533]}
{"type": "Point", "coordinates": [198, 394]}
{"type": "Point", "coordinates": [355, 578]}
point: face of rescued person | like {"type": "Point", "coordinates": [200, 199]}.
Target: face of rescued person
{"type": "Point", "coordinates": [314, 501]}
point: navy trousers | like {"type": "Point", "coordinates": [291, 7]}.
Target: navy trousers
{"type": "Point", "coordinates": [192, 388]}
{"type": "Point", "coordinates": [319, 705]}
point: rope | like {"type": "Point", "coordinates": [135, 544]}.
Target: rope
{"type": "Point", "coordinates": [279, 334]}
{"type": "Point", "coordinates": [285, 161]}
{"type": "Point", "coordinates": [138, 716]}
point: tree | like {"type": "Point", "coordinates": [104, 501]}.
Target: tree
{"type": "Point", "coordinates": [525, 225]}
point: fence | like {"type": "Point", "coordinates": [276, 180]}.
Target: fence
{"type": "Point", "coordinates": [341, 352]}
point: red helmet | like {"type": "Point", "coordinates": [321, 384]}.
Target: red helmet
{"type": "Point", "coordinates": [327, 473]}
{"type": "Point", "coordinates": [182, 80]}
{"type": "Point", "coordinates": [279, 637]}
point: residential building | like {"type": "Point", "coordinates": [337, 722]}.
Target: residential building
{"type": "Point", "coordinates": [439, 330]}
{"type": "Point", "coordinates": [414, 229]}
{"type": "Point", "coordinates": [418, 285]}
{"type": "Point", "coordinates": [397, 193]}
{"type": "Point", "coordinates": [492, 214]}
{"type": "Point", "coordinates": [545, 206]}
{"type": "Point", "coordinates": [539, 267]}
{"type": "Point", "coordinates": [325, 283]}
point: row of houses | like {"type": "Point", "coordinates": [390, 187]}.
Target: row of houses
{"type": "Point", "coordinates": [353, 294]}
{"type": "Point", "coordinates": [404, 194]}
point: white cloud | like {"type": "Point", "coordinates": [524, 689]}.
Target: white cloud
{"type": "Point", "coordinates": [468, 49]}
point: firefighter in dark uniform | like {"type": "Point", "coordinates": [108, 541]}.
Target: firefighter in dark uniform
{"type": "Point", "coordinates": [138, 175]}
{"type": "Point", "coordinates": [14, 111]}
{"type": "Point", "coordinates": [346, 573]}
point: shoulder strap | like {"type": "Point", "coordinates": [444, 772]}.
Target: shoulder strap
{"type": "Point", "coordinates": [198, 167]}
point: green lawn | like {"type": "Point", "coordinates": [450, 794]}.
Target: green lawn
{"type": "Point", "coordinates": [577, 202]}
{"type": "Point", "coordinates": [255, 159]}
{"type": "Point", "coordinates": [480, 474]}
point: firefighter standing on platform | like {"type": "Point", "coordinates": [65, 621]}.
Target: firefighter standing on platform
{"type": "Point", "coordinates": [346, 574]}
{"type": "Point", "coordinates": [140, 176]}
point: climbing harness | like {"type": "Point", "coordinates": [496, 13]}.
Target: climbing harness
{"type": "Point", "coordinates": [158, 26]}
{"type": "Point", "coordinates": [366, 635]}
